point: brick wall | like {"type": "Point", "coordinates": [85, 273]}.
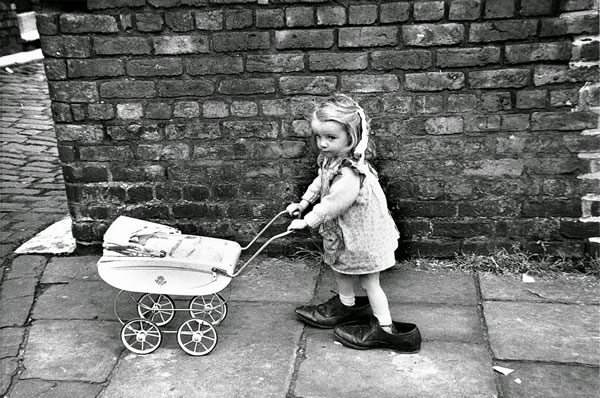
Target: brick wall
{"type": "Point", "coordinates": [10, 37]}
{"type": "Point", "coordinates": [193, 112]}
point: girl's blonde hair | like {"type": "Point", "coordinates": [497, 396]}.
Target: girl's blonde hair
{"type": "Point", "coordinates": [344, 110]}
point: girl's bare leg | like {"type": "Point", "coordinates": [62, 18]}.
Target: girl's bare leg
{"type": "Point", "coordinates": [378, 300]}
{"type": "Point", "coordinates": [345, 284]}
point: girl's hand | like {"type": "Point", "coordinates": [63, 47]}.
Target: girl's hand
{"type": "Point", "coordinates": [297, 224]}
{"type": "Point", "coordinates": [294, 209]}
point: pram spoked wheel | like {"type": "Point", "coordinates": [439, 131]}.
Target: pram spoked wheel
{"type": "Point", "coordinates": [158, 308]}
{"type": "Point", "coordinates": [212, 308]}
{"type": "Point", "coordinates": [141, 336]}
{"type": "Point", "coordinates": [197, 337]}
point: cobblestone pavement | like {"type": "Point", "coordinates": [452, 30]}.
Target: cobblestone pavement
{"type": "Point", "coordinates": [32, 194]}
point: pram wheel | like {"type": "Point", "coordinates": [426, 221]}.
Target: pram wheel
{"type": "Point", "coordinates": [141, 336]}
{"type": "Point", "coordinates": [197, 337]}
{"type": "Point", "coordinates": [211, 308]}
{"type": "Point", "coordinates": [158, 308]}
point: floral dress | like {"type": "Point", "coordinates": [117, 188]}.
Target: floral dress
{"type": "Point", "coordinates": [359, 234]}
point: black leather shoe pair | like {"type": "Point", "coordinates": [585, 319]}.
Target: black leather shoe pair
{"type": "Point", "coordinates": [405, 339]}
{"type": "Point", "coordinates": [333, 313]}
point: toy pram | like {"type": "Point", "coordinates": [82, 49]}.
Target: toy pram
{"type": "Point", "coordinates": [158, 261]}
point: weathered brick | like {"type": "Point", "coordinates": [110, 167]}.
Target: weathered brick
{"type": "Point", "coordinates": [557, 74]}
{"type": "Point", "coordinates": [499, 9]}
{"type": "Point", "coordinates": [444, 125]}
{"type": "Point", "coordinates": [407, 59]}
{"type": "Point", "coordinates": [95, 67]}
{"type": "Point", "coordinates": [483, 123]}
{"type": "Point", "coordinates": [88, 23]}
{"type": "Point", "coordinates": [496, 101]}
{"type": "Point", "coordinates": [462, 229]}
{"type": "Point", "coordinates": [535, 7]}
{"type": "Point", "coordinates": [127, 89]}
{"type": "Point", "coordinates": [73, 91]}
{"type": "Point", "coordinates": [332, 15]}
{"type": "Point", "coordinates": [275, 63]}
{"type": "Point", "coordinates": [215, 109]}
{"type": "Point", "coordinates": [158, 110]}
{"type": "Point", "coordinates": [193, 130]}
{"type": "Point", "coordinates": [299, 16]}
{"type": "Point", "coordinates": [317, 38]}
{"type": "Point", "coordinates": [79, 133]}
{"type": "Point", "coordinates": [155, 67]}
{"type": "Point", "coordinates": [66, 46]}
{"type": "Point", "coordinates": [270, 18]}
{"type": "Point", "coordinates": [502, 78]}
{"type": "Point", "coordinates": [519, 53]}
{"type": "Point", "coordinates": [370, 83]}
{"type": "Point", "coordinates": [527, 99]}
{"type": "Point", "coordinates": [502, 30]}
{"type": "Point", "coordinates": [428, 104]}
{"type": "Point", "coordinates": [47, 23]}
{"type": "Point", "coordinates": [100, 111]}
{"type": "Point", "coordinates": [564, 97]}
{"type": "Point", "coordinates": [248, 129]}
{"type": "Point", "coordinates": [428, 11]}
{"type": "Point", "coordinates": [563, 121]}
{"type": "Point", "coordinates": [61, 112]}
{"type": "Point", "coordinates": [426, 35]}
{"type": "Point", "coordinates": [105, 153]}
{"type": "Point", "coordinates": [105, 4]}
{"type": "Point", "coordinates": [573, 23]}
{"type": "Point", "coordinates": [135, 131]}
{"type": "Point", "coordinates": [552, 208]}
{"type": "Point", "coordinates": [495, 168]}
{"type": "Point", "coordinates": [244, 108]}
{"type": "Point", "coordinates": [586, 49]}
{"type": "Point", "coordinates": [148, 22]}
{"type": "Point", "coordinates": [317, 85]}
{"type": "Point", "coordinates": [209, 20]}
{"type": "Point", "coordinates": [464, 10]}
{"type": "Point", "coordinates": [186, 109]}
{"type": "Point", "coordinates": [247, 86]}
{"type": "Point", "coordinates": [374, 36]}
{"type": "Point", "coordinates": [196, 193]}
{"type": "Point", "coordinates": [240, 41]}
{"type": "Point", "coordinates": [274, 107]}
{"type": "Point", "coordinates": [476, 56]}
{"type": "Point", "coordinates": [461, 102]}
{"type": "Point", "coordinates": [179, 21]}
{"type": "Point", "coordinates": [184, 88]}
{"type": "Point", "coordinates": [214, 64]}
{"type": "Point", "coordinates": [180, 44]}
{"type": "Point", "coordinates": [394, 12]}
{"type": "Point", "coordinates": [130, 111]}
{"type": "Point", "coordinates": [337, 61]}
{"type": "Point", "coordinates": [175, 3]}
{"type": "Point", "coordinates": [121, 45]}
{"type": "Point", "coordinates": [362, 14]}
{"type": "Point", "coordinates": [434, 81]}
{"type": "Point", "coordinates": [238, 19]}
{"type": "Point", "coordinates": [56, 69]}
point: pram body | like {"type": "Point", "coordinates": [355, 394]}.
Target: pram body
{"type": "Point", "coordinates": [158, 261]}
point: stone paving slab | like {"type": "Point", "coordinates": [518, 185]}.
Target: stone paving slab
{"type": "Point", "coordinates": [16, 298]}
{"type": "Point", "coordinates": [52, 389]}
{"type": "Point", "coordinates": [71, 350]}
{"type": "Point", "coordinates": [276, 279]}
{"type": "Point", "coordinates": [447, 369]}
{"type": "Point", "coordinates": [253, 358]}
{"type": "Point", "coordinates": [564, 289]}
{"type": "Point", "coordinates": [26, 267]}
{"type": "Point", "coordinates": [437, 322]}
{"type": "Point", "coordinates": [544, 332]}
{"type": "Point", "coordinates": [66, 269]}
{"type": "Point", "coordinates": [8, 367]}
{"type": "Point", "coordinates": [407, 286]}
{"type": "Point", "coordinates": [11, 339]}
{"type": "Point", "coordinates": [538, 380]}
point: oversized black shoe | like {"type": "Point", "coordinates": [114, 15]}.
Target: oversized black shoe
{"type": "Point", "coordinates": [405, 339]}
{"type": "Point", "coordinates": [333, 313]}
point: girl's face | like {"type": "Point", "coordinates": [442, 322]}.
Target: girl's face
{"type": "Point", "coordinates": [331, 137]}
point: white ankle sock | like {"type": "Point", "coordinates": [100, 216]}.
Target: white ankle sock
{"type": "Point", "coordinates": [348, 301]}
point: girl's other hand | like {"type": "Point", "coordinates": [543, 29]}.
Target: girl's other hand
{"type": "Point", "coordinates": [294, 209]}
{"type": "Point", "coordinates": [297, 224]}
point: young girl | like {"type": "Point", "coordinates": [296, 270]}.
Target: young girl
{"type": "Point", "coordinates": [359, 235]}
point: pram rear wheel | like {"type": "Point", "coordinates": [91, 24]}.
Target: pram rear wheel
{"type": "Point", "coordinates": [158, 308]}
{"type": "Point", "coordinates": [141, 336]}
{"type": "Point", "coordinates": [197, 337]}
{"type": "Point", "coordinates": [211, 308]}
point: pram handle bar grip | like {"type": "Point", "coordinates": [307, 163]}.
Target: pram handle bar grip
{"type": "Point", "coordinates": [239, 271]}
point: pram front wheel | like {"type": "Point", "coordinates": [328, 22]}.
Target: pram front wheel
{"type": "Point", "coordinates": [158, 308]}
{"type": "Point", "coordinates": [141, 336]}
{"type": "Point", "coordinates": [211, 308]}
{"type": "Point", "coordinates": [197, 337]}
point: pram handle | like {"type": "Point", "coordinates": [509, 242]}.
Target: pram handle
{"type": "Point", "coordinates": [281, 235]}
